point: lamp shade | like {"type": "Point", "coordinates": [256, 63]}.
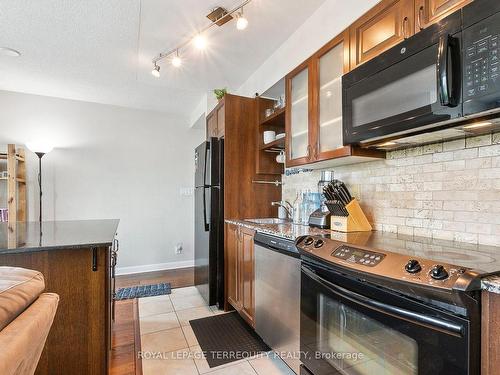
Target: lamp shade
{"type": "Point", "coordinates": [40, 147]}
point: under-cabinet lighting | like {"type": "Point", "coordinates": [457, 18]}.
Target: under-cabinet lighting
{"type": "Point", "coordinates": [478, 125]}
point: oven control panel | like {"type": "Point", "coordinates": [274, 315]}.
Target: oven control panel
{"type": "Point", "coordinates": [388, 264]}
{"type": "Point", "coordinates": [482, 58]}
{"type": "Point", "coordinates": [359, 256]}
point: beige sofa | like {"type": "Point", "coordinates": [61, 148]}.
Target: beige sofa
{"type": "Point", "coordinates": [26, 315]}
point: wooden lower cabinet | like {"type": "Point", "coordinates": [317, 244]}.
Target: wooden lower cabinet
{"type": "Point", "coordinates": [231, 264]}
{"type": "Point", "coordinates": [490, 332]}
{"type": "Point", "coordinates": [240, 274]}
{"type": "Point", "coordinates": [79, 341]}
{"type": "Point", "coordinates": [247, 275]}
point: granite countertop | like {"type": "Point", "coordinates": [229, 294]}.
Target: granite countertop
{"type": "Point", "coordinates": [286, 230]}
{"type": "Point", "coordinates": [53, 235]}
{"type": "Point", "coordinates": [479, 257]}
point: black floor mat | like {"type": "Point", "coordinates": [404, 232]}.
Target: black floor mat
{"type": "Point", "coordinates": [227, 338]}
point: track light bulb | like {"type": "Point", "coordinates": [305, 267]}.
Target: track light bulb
{"type": "Point", "coordinates": [156, 71]}
{"type": "Point", "coordinates": [242, 22]}
{"type": "Point", "coordinates": [200, 42]}
{"type": "Point", "coordinates": [176, 61]}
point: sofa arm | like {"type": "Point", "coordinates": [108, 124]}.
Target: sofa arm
{"type": "Point", "coordinates": [22, 341]}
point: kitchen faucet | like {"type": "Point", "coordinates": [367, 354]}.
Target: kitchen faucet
{"type": "Point", "coordinates": [286, 206]}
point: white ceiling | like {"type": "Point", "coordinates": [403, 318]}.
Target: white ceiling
{"type": "Point", "coordinates": [101, 51]}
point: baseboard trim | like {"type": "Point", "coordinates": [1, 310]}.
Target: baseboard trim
{"type": "Point", "coordinates": [120, 271]}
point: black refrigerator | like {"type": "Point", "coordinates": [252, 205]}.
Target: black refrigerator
{"type": "Point", "coordinates": [209, 221]}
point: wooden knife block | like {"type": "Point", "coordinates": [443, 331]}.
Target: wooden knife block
{"type": "Point", "coordinates": [355, 222]}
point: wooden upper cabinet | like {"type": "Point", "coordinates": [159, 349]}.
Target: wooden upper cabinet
{"type": "Point", "coordinates": [382, 27]}
{"type": "Point", "coordinates": [212, 125]}
{"type": "Point", "coordinates": [428, 12]}
{"type": "Point", "coordinates": [298, 114]}
{"type": "Point", "coordinates": [331, 63]}
{"type": "Point", "coordinates": [221, 121]}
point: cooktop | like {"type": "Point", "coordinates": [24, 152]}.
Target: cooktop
{"type": "Point", "coordinates": [424, 261]}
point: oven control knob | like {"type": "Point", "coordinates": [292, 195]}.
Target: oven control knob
{"type": "Point", "coordinates": [319, 243]}
{"type": "Point", "coordinates": [413, 266]}
{"type": "Point", "coordinates": [438, 272]}
{"type": "Point", "coordinates": [308, 241]}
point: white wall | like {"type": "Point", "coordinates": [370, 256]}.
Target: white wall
{"type": "Point", "coordinates": [111, 162]}
{"type": "Point", "coordinates": [332, 17]}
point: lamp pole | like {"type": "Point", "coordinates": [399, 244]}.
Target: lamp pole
{"type": "Point", "coordinates": [40, 156]}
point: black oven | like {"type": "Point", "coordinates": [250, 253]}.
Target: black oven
{"type": "Point", "coordinates": [353, 326]}
{"type": "Point", "coordinates": [438, 77]}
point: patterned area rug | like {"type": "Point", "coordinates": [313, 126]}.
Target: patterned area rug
{"type": "Point", "coordinates": [143, 291]}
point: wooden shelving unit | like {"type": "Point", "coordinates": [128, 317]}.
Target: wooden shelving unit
{"type": "Point", "coordinates": [16, 183]}
{"type": "Point", "coordinates": [266, 153]}
{"type": "Point", "coordinates": [277, 118]}
{"type": "Point", "coordinates": [278, 144]}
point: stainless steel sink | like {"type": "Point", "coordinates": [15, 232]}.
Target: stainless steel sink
{"type": "Point", "coordinates": [268, 221]}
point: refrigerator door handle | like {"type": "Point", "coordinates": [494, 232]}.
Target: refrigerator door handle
{"type": "Point", "coordinates": [207, 148]}
{"type": "Point", "coordinates": [207, 225]}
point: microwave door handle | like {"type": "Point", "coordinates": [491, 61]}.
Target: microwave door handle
{"type": "Point", "coordinates": [397, 312]}
{"type": "Point", "coordinates": [442, 70]}
{"type": "Point", "coordinates": [447, 44]}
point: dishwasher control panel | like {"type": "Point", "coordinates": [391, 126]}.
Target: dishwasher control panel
{"type": "Point", "coordinates": [359, 256]}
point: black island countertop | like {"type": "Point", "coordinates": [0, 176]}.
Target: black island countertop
{"type": "Point", "coordinates": [53, 235]}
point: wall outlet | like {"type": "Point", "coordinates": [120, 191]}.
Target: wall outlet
{"type": "Point", "coordinates": [178, 248]}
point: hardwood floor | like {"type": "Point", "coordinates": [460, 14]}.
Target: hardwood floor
{"type": "Point", "coordinates": [178, 278]}
{"type": "Point", "coordinates": [126, 333]}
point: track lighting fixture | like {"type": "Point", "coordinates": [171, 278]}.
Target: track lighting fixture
{"type": "Point", "coordinates": [156, 71]}
{"type": "Point", "coordinates": [218, 17]}
{"type": "Point", "coordinates": [241, 21]}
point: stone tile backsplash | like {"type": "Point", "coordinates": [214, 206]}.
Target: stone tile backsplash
{"type": "Point", "coordinates": [447, 190]}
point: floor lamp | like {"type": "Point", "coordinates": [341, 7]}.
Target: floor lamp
{"type": "Point", "coordinates": [40, 149]}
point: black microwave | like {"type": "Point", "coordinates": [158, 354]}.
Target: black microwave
{"type": "Point", "coordinates": [441, 83]}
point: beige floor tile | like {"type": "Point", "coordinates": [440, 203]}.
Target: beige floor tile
{"type": "Point", "coordinates": [195, 313]}
{"type": "Point", "coordinates": [270, 365]}
{"type": "Point", "coordinates": [164, 341]}
{"type": "Point", "coordinates": [160, 322]}
{"type": "Point", "coordinates": [181, 302]}
{"type": "Point", "coordinates": [173, 363]}
{"type": "Point", "coordinates": [242, 368]}
{"type": "Point", "coordinates": [190, 336]}
{"type": "Point", "coordinates": [216, 310]}
{"type": "Point", "coordinates": [165, 297]}
{"type": "Point", "coordinates": [187, 291]}
{"type": "Point", "coordinates": [155, 306]}
{"type": "Point", "coordinates": [202, 364]}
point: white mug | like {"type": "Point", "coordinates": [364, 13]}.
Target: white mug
{"type": "Point", "coordinates": [280, 158]}
{"type": "Point", "coordinates": [269, 136]}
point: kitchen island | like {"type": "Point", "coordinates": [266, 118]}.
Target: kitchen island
{"type": "Point", "coordinates": [76, 259]}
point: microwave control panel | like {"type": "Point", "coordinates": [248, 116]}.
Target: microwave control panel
{"type": "Point", "coordinates": [481, 50]}
{"type": "Point", "coordinates": [359, 256]}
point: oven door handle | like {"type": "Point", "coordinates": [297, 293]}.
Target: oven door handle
{"type": "Point", "coordinates": [397, 312]}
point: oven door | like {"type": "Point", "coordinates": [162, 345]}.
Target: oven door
{"type": "Point", "coordinates": [349, 327]}
{"type": "Point", "coordinates": [406, 97]}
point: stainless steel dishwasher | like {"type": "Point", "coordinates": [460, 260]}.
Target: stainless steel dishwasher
{"type": "Point", "coordinates": [277, 296]}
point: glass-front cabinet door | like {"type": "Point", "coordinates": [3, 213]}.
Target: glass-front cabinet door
{"type": "Point", "coordinates": [298, 120]}
{"type": "Point", "coordinates": [332, 63]}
